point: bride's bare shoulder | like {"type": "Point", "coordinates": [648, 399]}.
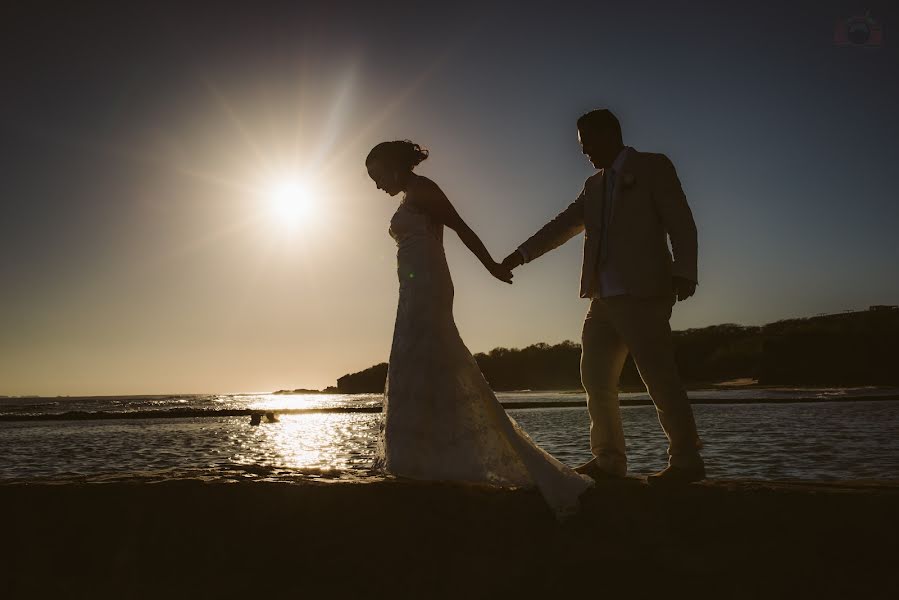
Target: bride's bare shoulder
{"type": "Point", "coordinates": [427, 196]}
{"type": "Point", "coordinates": [425, 188]}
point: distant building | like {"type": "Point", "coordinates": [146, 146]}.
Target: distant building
{"type": "Point", "coordinates": [880, 307]}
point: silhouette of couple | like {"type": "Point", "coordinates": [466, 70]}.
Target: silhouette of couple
{"type": "Point", "coordinates": [442, 421]}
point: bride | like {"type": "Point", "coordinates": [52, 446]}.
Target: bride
{"type": "Point", "coordinates": [441, 420]}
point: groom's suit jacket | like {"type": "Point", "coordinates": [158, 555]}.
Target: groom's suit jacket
{"type": "Point", "coordinates": [649, 206]}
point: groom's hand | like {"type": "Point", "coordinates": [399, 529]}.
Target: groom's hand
{"type": "Point", "coordinates": [501, 272]}
{"type": "Point", "coordinates": [513, 260]}
{"type": "Point", "coordinates": [683, 288]}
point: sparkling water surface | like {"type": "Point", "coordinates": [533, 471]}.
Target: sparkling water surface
{"type": "Point", "coordinates": [847, 439]}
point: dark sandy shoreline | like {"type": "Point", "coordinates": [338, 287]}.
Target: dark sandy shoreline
{"type": "Point", "coordinates": [144, 538]}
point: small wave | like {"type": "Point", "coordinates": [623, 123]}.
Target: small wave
{"type": "Point", "coordinates": [186, 413]}
{"type": "Point", "coordinates": [179, 413]}
{"type": "Point", "coordinates": [29, 406]}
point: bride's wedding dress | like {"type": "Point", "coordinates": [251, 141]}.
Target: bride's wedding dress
{"type": "Point", "coordinates": [441, 420]}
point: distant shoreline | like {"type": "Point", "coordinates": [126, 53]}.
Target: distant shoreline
{"type": "Point", "coordinates": [744, 383]}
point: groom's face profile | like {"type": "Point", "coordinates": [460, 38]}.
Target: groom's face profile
{"type": "Point", "coordinates": [599, 148]}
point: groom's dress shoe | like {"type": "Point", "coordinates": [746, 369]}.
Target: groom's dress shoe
{"type": "Point", "coordinates": [593, 471]}
{"type": "Point", "coordinates": [676, 476]}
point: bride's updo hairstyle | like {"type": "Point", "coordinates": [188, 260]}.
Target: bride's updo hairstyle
{"type": "Point", "coordinates": [399, 155]}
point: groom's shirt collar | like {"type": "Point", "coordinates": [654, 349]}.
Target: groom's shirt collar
{"type": "Point", "coordinates": [619, 160]}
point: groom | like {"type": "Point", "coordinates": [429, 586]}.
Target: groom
{"type": "Point", "coordinates": [627, 210]}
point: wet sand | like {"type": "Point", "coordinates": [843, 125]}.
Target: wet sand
{"type": "Point", "coordinates": [143, 538]}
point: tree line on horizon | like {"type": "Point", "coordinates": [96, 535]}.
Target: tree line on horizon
{"type": "Point", "coordinates": [853, 348]}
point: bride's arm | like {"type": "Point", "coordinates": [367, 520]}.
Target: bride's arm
{"type": "Point", "coordinates": [474, 243]}
{"type": "Point", "coordinates": [430, 198]}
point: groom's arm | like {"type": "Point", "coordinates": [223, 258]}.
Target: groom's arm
{"type": "Point", "coordinates": [671, 204]}
{"type": "Point", "coordinates": [562, 228]}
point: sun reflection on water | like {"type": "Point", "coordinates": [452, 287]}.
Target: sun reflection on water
{"type": "Point", "coordinates": [311, 441]}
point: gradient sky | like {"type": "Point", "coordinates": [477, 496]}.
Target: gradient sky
{"type": "Point", "coordinates": [137, 255]}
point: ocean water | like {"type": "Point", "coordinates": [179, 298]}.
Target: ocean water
{"type": "Point", "coordinates": [781, 434]}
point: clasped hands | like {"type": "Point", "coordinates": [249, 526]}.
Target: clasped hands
{"type": "Point", "coordinates": [681, 287]}
{"type": "Point", "coordinates": [503, 270]}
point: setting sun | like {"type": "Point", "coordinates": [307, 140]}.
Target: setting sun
{"type": "Point", "coordinates": [291, 201]}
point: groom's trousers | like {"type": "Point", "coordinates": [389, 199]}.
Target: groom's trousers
{"type": "Point", "coordinates": [613, 327]}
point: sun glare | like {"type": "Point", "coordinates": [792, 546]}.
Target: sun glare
{"type": "Point", "coordinates": [291, 202]}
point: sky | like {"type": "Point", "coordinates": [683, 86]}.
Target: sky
{"type": "Point", "coordinates": [140, 144]}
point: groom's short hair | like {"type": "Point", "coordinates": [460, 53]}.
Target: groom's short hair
{"type": "Point", "coordinates": [601, 122]}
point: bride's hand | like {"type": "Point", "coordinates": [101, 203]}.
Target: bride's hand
{"type": "Point", "coordinates": [500, 272]}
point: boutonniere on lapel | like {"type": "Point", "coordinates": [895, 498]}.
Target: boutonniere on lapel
{"type": "Point", "coordinates": [627, 180]}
